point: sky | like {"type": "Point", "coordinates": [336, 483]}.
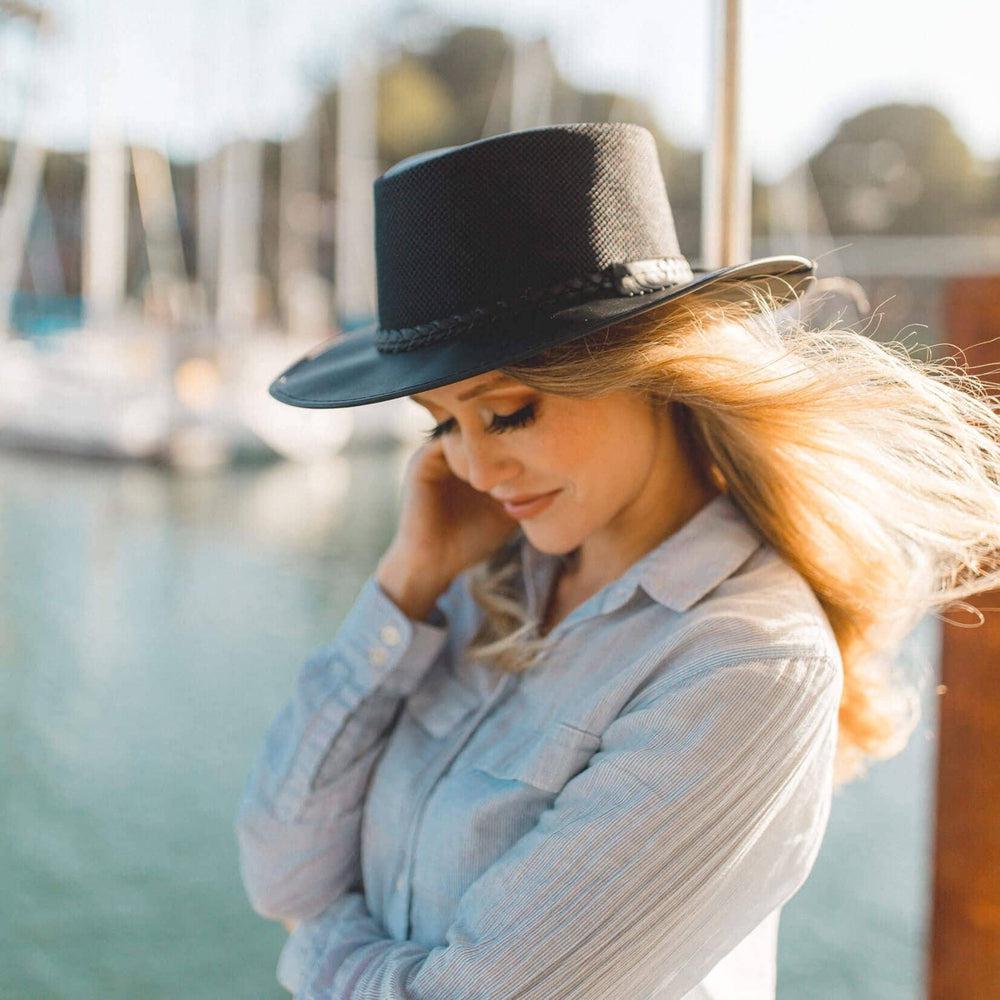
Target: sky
{"type": "Point", "coordinates": [190, 74]}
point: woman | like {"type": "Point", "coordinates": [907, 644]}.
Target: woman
{"type": "Point", "coordinates": [578, 735]}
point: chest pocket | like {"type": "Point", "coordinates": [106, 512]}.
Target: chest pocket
{"type": "Point", "coordinates": [545, 758]}
{"type": "Point", "coordinates": [441, 702]}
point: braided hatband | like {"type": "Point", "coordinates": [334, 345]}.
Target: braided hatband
{"type": "Point", "coordinates": [632, 278]}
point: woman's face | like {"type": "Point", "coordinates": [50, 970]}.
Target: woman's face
{"type": "Point", "coordinates": [613, 463]}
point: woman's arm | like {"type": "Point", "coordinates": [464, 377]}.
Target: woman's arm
{"type": "Point", "coordinates": [702, 813]}
{"type": "Point", "coordinates": [299, 817]}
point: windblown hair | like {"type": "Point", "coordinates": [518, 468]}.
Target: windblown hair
{"type": "Point", "coordinates": [876, 475]}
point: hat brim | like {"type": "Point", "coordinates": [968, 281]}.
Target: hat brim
{"type": "Point", "coordinates": [348, 370]}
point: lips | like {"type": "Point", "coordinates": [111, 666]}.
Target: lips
{"type": "Point", "coordinates": [526, 498]}
{"type": "Point", "coordinates": [530, 506]}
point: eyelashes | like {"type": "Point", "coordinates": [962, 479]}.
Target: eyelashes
{"type": "Point", "coordinates": [519, 418]}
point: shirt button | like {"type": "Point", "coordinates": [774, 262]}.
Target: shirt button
{"type": "Point", "coordinates": [389, 634]}
{"type": "Point", "coordinates": [399, 883]}
{"type": "Point", "coordinates": [377, 656]}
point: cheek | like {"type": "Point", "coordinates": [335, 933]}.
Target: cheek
{"type": "Point", "coordinates": [599, 464]}
{"type": "Point", "coordinates": [549, 451]}
{"type": "Point", "coordinates": [599, 451]}
{"type": "Point", "coordinates": [567, 456]}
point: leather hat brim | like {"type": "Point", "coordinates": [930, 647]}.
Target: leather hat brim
{"type": "Point", "coordinates": [348, 370]}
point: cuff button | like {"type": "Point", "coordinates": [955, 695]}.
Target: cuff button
{"type": "Point", "coordinates": [377, 656]}
{"type": "Point", "coordinates": [389, 634]}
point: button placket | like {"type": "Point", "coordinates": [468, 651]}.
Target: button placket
{"type": "Point", "coordinates": [404, 881]}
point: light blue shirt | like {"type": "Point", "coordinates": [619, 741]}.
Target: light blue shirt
{"type": "Point", "coordinates": [623, 820]}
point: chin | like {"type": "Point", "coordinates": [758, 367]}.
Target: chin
{"type": "Point", "coordinates": [552, 540]}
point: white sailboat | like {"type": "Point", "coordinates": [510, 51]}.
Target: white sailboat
{"type": "Point", "coordinates": [159, 383]}
{"type": "Point", "coordinates": [99, 391]}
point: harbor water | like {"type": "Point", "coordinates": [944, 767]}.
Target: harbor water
{"type": "Point", "coordinates": [151, 624]}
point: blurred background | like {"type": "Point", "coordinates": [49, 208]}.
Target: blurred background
{"type": "Point", "coordinates": [186, 209]}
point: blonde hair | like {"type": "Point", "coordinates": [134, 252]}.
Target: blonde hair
{"type": "Point", "coordinates": [874, 474]}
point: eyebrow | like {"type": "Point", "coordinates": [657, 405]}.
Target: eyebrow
{"type": "Point", "coordinates": [473, 392]}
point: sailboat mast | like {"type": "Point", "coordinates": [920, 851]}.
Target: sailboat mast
{"type": "Point", "coordinates": [302, 292]}
{"type": "Point", "coordinates": [106, 204]}
{"type": "Point", "coordinates": [726, 206]}
{"type": "Point", "coordinates": [239, 237]}
{"type": "Point", "coordinates": [356, 170]}
{"type": "Point", "coordinates": [24, 179]}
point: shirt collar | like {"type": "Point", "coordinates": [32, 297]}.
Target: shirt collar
{"type": "Point", "coordinates": [707, 549]}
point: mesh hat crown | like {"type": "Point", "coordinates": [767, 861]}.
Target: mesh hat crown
{"type": "Point", "coordinates": [494, 250]}
{"type": "Point", "coordinates": [516, 219]}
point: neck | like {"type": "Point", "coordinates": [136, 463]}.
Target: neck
{"type": "Point", "coordinates": [671, 494]}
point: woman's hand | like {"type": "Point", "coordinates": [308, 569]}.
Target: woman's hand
{"type": "Point", "coordinates": [445, 526]}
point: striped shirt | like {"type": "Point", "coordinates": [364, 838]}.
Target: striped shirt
{"type": "Point", "coordinates": [625, 819]}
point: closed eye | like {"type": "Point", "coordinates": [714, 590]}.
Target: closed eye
{"type": "Point", "coordinates": [499, 423]}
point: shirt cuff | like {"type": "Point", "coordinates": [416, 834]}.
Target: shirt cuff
{"type": "Point", "coordinates": [308, 941]}
{"type": "Point", "coordinates": [390, 647]}
{"type": "Point", "coordinates": [377, 644]}
{"type": "Point", "coordinates": [294, 959]}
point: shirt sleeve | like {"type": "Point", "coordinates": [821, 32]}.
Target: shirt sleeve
{"type": "Point", "coordinates": [700, 814]}
{"type": "Point", "coordinates": [299, 816]}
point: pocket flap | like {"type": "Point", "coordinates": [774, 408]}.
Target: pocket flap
{"type": "Point", "coordinates": [545, 758]}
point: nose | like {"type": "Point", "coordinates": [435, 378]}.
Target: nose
{"type": "Point", "coordinates": [487, 462]}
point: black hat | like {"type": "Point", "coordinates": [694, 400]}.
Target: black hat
{"type": "Point", "coordinates": [490, 252]}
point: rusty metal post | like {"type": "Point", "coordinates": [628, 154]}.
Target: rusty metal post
{"type": "Point", "coordinates": [964, 958]}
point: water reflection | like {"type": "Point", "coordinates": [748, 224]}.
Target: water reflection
{"type": "Point", "coordinates": [151, 624]}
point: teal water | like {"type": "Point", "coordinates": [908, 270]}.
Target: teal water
{"type": "Point", "coordinates": [152, 624]}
